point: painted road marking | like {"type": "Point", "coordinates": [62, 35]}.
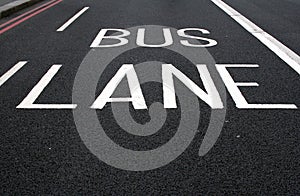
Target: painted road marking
{"type": "Point", "coordinates": [29, 16]}
{"type": "Point", "coordinates": [247, 84]}
{"type": "Point", "coordinates": [28, 102]}
{"type": "Point", "coordinates": [71, 20]}
{"type": "Point", "coordinates": [11, 72]}
{"type": "Point", "coordinates": [26, 13]}
{"type": "Point", "coordinates": [283, 52]}
{"type": "Point", "coordinates": [236, 94]}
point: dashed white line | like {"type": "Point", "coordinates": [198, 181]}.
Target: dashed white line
{"type": "Point", "coordinates": [283, 52]}
{"type": "Point", "coordinates": [247, 84]}
{"type": "Point", "coordinates": [11, 72]}
{"type": "Point", "coordinates": [71, 20]}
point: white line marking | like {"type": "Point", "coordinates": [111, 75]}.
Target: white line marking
{"type": "Point", "coordinates": [71, 20]}
{"type": "Point", "coordinates": [28, 102]}
{"type": "Point", "coordinates": [283, 52]}
{"type": "Point", "coordinates": [11, 72]}
{"type": "Point", "coordinates": [236, 94]}
{"type": "Point", "coordinates": [249, 84]}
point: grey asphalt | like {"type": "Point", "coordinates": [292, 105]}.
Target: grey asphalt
{"type": "Point", "coordinates": [257, 152]}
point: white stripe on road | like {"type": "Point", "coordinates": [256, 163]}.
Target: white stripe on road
{"type": "Point", "coordinates": [11, 72]}
{"type": "Point", "coordinates": [71, 20]}
{"type": "Point", "coordinates": [247, 84]}
{"type": "Point", "coordinates": [28, 102]}
{"type": "Point", "coordinates": [283, 52]}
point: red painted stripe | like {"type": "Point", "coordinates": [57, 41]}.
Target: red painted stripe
{"type": "Point", "coordinates": [30, 11]}
{"type": "Point", "coordinates": [29, 16]}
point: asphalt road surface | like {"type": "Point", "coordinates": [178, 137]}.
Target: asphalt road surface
{"type": "Point", "coordinates": [47, 57]}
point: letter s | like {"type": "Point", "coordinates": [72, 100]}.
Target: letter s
{"type": "Point", "coordinates": [181, 32]}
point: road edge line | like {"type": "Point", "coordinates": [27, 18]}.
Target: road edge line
{"type": "Point", "coordinates": [16, 6]}
{"type": "Point", "coordinates": [283, 52]}
{"type": "Point", "coordinates": [28, 17]}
